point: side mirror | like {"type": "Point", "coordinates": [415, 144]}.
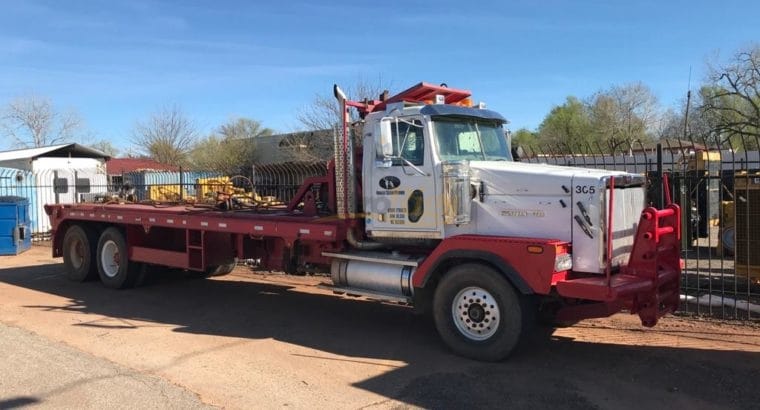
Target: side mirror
{"type": "Point", "coordinates": [384, 144]}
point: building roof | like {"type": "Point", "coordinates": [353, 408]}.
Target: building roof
{"type": "Point", "coordinates": [122, 165]}
{"type": "Point", "coordinates": [58, 151]}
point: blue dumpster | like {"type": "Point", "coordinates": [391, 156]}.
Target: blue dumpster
{"type": "Point", "coordinates": [15, 225]}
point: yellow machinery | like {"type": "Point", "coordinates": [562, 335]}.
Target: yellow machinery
{"type": "Point", "coordinates": [221, 189]}
{"type": "Point", "coordinates": [701, 160]}
{"type": "Point", "coordinates": [207, 189]}
{"type": "Point", "coordinates": [166, 193]}
{"type": "Point", "coordinates": [726, 238]}
{"type": "Point", "coordinates": [747, 224]}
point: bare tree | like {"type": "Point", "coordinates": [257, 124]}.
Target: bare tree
{"type": "Point", "coordinates": [678, 124]}
{"type": "Point", "coordinates": [33, 121]}
{"type": "Point", "coordinates": [731, 101]}
{"type": "Point", "coordinates": [106, 147]}
{"type": "Point", "coordinates": [166, 136]}
{"type": "Point", "coordinates": [324, 114]}
{"type": "Point", "coordinates": [624, 114]}
{"type": "Point", "coordinates": [308, 146]}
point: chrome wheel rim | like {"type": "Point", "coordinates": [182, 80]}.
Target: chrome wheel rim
{"type": "Point", "coordinates": [109, 258]}
{"type": "Point", "coordinates": [475, 313]}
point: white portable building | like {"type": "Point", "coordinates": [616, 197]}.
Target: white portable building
{"type": "Point", "coordinates": [64, 173]}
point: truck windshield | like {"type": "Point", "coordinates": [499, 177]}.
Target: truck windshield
{"type": "Point", "coordinates": [471, 139]}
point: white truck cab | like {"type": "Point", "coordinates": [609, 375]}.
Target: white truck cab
{"type": "Point", "coordinates": [432, 171]}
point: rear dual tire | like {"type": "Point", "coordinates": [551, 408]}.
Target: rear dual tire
{"type": "Point", "coordinates": [112, 259]}
{"type": "Point", "coordinates": [79, 248]}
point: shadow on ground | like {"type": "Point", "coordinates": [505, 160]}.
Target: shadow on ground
{"type": "Point", "coordinates": [545, 373]}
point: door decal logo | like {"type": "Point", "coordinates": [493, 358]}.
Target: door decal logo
{"type": "Point", "coordinates": [390, 182]}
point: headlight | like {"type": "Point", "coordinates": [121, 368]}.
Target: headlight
{"type": "Point", "coordinates": [563, 262]}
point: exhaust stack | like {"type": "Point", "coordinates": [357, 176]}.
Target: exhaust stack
{"type": "Point", "coordinates": [345, 178]}
{"type": "Point", "coordinates": [345, 172]}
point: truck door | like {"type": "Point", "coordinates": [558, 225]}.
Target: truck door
{"type": "Point", "coordinates": [401, 192]}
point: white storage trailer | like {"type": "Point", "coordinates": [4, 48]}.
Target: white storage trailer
{"type": "Point", "coordinates": [60, 174]}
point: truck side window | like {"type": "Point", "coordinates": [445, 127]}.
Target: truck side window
{"type": "Point", "coordinates": [413, 140]}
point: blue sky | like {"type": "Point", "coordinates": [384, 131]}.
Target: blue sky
{"type": "Point", "coordinates": [115, 62]}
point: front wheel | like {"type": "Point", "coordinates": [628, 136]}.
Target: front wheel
{"type": "Point", "coordinates": [478, 314]}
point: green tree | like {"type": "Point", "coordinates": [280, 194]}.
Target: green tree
{"type": "Point", "coordinates": [231, 149]}
{"type": "Point", "coordinates": [567, 127]}
{"type": "Point", "coordinates": [524, 138]}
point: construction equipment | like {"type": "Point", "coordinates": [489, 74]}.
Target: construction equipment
{"type": "Point", "coordinates": [747, 227]}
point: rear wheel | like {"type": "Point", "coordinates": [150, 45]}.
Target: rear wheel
{"type": "Point", "coordinates": [114, 267]}
{"type": "Point", "coordinates": [478, 313]}
{"type": "Point", "coordinates": [79, 246]}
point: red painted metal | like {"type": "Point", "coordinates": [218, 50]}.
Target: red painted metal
{"type": "Point", "coordinates": [649, 284]}
{"type": "Point", "coordinates": [610, 215]}
{"type": "Point", "coordinates": [159, 256]}
{"type": "Point", "coordinates": [535, 269]}
{"type": "Point", "coordinates": [419, 93]}
{"type": "Point", "coordinates": [280, 224]}
{"type": "Point", "coordinates": [218, 235]}
{"type": "Point", "coordinates": [666, 188]}
{"type": "Point", "coordinates": [305, 189]}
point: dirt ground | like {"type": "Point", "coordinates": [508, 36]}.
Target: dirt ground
{"type": "Point", "coordinates": [271, 341]}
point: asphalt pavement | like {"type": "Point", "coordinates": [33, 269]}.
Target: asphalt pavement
{"type": "Point", "coordinates": [39, 373]}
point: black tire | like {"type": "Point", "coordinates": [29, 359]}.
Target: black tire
{"type": "Point", "coordinates": [79, 246]}
{"type": "Point", "coordinates": [114, 267]}
{"type": "Point", "coordinates": [467, 302]}
{"type": "Point", "coordinates": [221, 270]}
{"type": "Point", "coordinates": [213, 270]}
